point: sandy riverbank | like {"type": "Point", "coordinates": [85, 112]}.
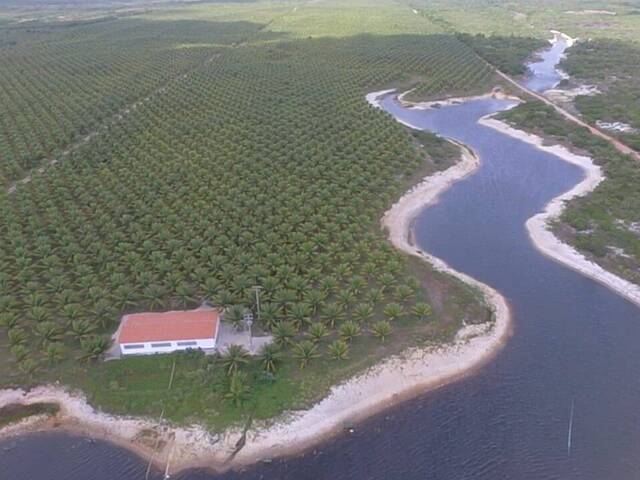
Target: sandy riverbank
{"type": "Point", "coordinates": [562, 36]}
{"type": "Point", "coordinates": [389, 382]}
{"type": "Point", "coordinates": [538, 225]}
{"type": "Point", "coordinates": [496, 94]}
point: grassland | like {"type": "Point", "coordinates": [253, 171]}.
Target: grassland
{"type": "Point", "coordinates": [534, 18]}
{"type": "Point", "coordinates": [254, 159]}
{"type": "Point", "coordinates": [611, 65]}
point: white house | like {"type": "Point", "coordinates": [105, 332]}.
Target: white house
{"type": "Point", "coordinates": [148, 333]}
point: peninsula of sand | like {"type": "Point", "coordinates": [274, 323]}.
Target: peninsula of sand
{"type": "Point", "coordinates": [416, 370]}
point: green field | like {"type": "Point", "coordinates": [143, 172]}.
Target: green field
{"type": "Point", "coordinates": [611, 65]}
{"type": "Point", "coordinates": [534, 18]}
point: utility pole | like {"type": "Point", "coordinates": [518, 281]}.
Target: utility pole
{"type": "Point", "coordinates": [257, 289]}
{"type": "Point", "coordinates": [248, 320]}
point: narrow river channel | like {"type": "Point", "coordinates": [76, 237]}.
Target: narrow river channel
{"type": "Point", "coordinates": [574, 343]}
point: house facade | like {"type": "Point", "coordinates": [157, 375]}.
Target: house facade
{"type": "Point", "coordinates": [166, 332]}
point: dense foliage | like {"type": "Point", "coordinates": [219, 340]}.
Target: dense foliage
{"type": "Point", "coordinates": [61, 82]}
{"type": "Point", "coordinates": [613, 67]}
{"type": "Point", "coordinates": [262, 164]}
{"type": "Point", "coordinates": [508, 54]}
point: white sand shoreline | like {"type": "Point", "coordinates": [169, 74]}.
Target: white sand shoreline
{"type": "Point", "coordinates": [383, 385]}
{"type": "Point", "coordinates": [538, 226]}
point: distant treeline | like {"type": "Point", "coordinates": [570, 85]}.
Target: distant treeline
{"type": "Point", "coordinates": [507, 53]}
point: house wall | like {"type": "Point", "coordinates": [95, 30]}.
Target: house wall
{"type": "Point", "coordinates": [149, 348]}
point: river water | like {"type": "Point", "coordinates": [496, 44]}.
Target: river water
{"type": "Point", "coordinates": [575, 346]}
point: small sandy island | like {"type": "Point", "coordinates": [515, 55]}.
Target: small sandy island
{"type": "Point", "coordinates": [173, 448]}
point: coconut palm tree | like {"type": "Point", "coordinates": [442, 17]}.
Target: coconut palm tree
{"type": "Point", "coordinates": [387, 280]}
{"type": "Point", "coordinates": [39, 313]}
{"type": "Point", "coordinates": [123, 297]}
{"type": "Point", "coordinates": [314, 299]}
{"type": "Point", "coordinates": [357, 284]}
{"type": "Point", "coordinates": [329, 285]}
{"type": "Point", "coordinates": [270, 314]}
{"type": "Point", "coordinates": [17, 336]}
{"type": "Point", "coordinates": [185, 294]}
{"type": "Point", "coordinates": [283, 333]}
{"type": "Point", "coordinates": [345, 297]}
{"type": "Point", "coordinates": [210, 287]}
{"type": "Point", "coordinates": [421, 310]}
{"type": "Point", "coordinates": [300, 314]}
{"type": "Point", "coordinates": [48, 332]}
{"type": "Point", "coordinates": [235, 316]}
{"type": "Point", "coordinates": [72, 312]}
{"type": "Point", "coordinates": [349, 330]}
{"type": "Point", "coordinates": [304, 352]}
{"type": "Point", "coordinates": [338, 350]}
{"type": "Point", "coordinates": [93, 347]}
{"type": "Point", "coordinates": [9, 320]}
{"type": "Point", "coordinates": [155, 296]}
{"type": "Point", "coordinates": [270, 357]}
{"type": "Point", "coordinates": [20, 352]}
{"type": "Point", "coordinates": [235, 357]}
{"type": "Point", "coordinates": [393, 311]}
{"type": "Point", "coordinates": [381, 330]}
{"type": "Point", "coordinates": [238, 389]}
{"type": "Point", "coordinates": [331, 314]}
{"type": "Point", "coordinates": [317, 331]}
{"type": "Point", "coordinates": [79, 329]}
{"type": "Point", "coordinates": [375, 296]}
{"type": "Point", "coordinates": [362, 312]}
{"type": "Point", "coordinates": [55, 352]}
{"type": "Point", "coordinates": [65, 297]}
{"type": "Point", "coordinates": [28, 366]}
{"type": "Point", "coordinates": [403, 293]}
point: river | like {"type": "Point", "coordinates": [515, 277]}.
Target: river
{"type": "Point", "coordinates": [574, 347]}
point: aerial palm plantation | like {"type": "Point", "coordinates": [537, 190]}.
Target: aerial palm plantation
{"type": "Point", "coordinates": [253, 160]}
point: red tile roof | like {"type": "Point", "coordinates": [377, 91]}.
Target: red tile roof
{"type": "Point", "coordinates": [167, 326]}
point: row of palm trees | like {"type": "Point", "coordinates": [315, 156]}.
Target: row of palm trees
{"type": "Point", "coordinates": [249, 171]}
{"type": "Point", "coordinates": [54, 93]}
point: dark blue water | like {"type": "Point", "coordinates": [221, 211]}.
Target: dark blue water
{"type": "Point", "coordinates": [574, 342]}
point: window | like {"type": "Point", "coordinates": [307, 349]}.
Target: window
{"type": "Point", "coordinates": [133, 347]}
{"type": "Point", "coordinates": [190, 343]}
{"type": "Point", "coordinates": [160, 345]}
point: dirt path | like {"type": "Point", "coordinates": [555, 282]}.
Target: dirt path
{"type": "Point", "coordinates": [127, 109]}
{"type": "Point", "coordinates": [621, 147]}
{"type": "Point", "coordinates": [113, 119]}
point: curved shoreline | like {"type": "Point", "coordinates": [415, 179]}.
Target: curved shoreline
{"type": "Point", "coordinates": [393, 380]}
{"type": "Point", "coordinates": [538, 226]}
